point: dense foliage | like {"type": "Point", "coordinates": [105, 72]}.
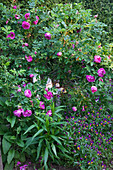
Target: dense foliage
{"type": "Point", "coordinates": [63, 43]}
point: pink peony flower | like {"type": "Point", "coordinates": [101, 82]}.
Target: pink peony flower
{"type": "Point", "coordinates": [93, 89]}
{"type": "Point", "coordinates": [14, 7]}
{"type": "Point", "coordinates": [25, 25]}
{"type": "Point", "coordinates": [101, 72]}
{"type": "Point", "coordinates": [11, 35]}
{"type": "Point", "coordinates": [27, 113]}
{"type": "Point", "coordinates": [59, 53]}
{"type": "Point", "coordinates": [74, 108]}
{"type": "Point", "coordinates": [83, 109]}
{"type": "Point", "coordinates": [27, 93]}
{"type": "Point", "coordinates": [29, 58]}
{"type": "Point", "coordinates": [101, 80]}
{"type": "Point", "coordinates": [31, 75]}
{"type": "Point", "coordinates": [42, 106]}
{"type": "Point", "coordinates": [49, 113]}
{"type": "Point", "coordinates": [90, 78]}
{"type": "Point", "coordinates": [97, 59]}
{"type": "Point", "coordinates": [17, 16]}
{"type": "Point", "coordinates": [18, 112]}
{"type": "Point", "coordinates": [49, 95]}
{"type": "Point", "coordinates": [48, 36]}
{"type": "Point", "coordinates": [27, 16]}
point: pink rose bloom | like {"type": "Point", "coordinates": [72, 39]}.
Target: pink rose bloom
{"type": "Point", "coordinates": [90, 78]}
{"type": "Point", "coordinates": [35, 52]}
{"type": "Point", "coordinates": [31, 75]}
{"type": "Point", "coordinates": [42, 106]}
{"type": "Point", "coordinates": [74, 108]}
{"type": "Point", "coordinates": [96, 16]}
{"type": "Point", "coordinates": [27, 16]}
{"type": "Point", "coordinates": [27, 93]}
{"type": "Point", "coordinates": [11, 35]}
{"type": "Point", "coordinates": [59, 53]}
{"type": "Point", "coordinates": [25, 25]}
{"type": "Point", "coordinates": [83, 109]}
{"type": "Point", "coordinates": [7, 21]}
{"type": "Point", "coordinates": [14, 7]}
{"type": "Point", "coordinates": [97, 59]}
{"type": "Point", "coordinates": [48, 36]}
{"type": "Point", "coordinates": [101, 80]}
{"type": "Point", "coordinates": [17, 16]}
{"type": "Point", "coordinates": [29, 58]}
{"type": "Point", "coordinates": [18, 112]}
{"type": "Point", "coordinates": [101, 72]}
{"type": "Point", "coordinates": [27, 113]}
{"type": "Point", "coordinates": [49, 95]}
{"type": "Point", "coordinates": [35, 22]}
{"type": "Point", "coordinates": [93, 89]}
{"type": "Point", "coordinates": [49, 113]}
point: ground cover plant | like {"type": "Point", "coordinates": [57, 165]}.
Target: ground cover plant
{"type": "Point", "coordinates": [64, 44]}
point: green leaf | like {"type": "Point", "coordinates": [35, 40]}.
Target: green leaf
{"type": "Point", "coordinates": [9, 166]}
{"type": "Point", "coordinates": [31, 127]}
{"type": "Point", "coordinates": [20, 143]}
{"type": "Point", "coordinates": [11, 120]}
{"type": "Point", "coordinates": [45, 156]}
{"type": "Point", "coordinates": [56, 139]}
{"type": "Point", "coordinates": [11, 155]}
{"type": "Point", "coordinates": [36, 134]}
{"type": "Point", "coordinates": [40, 119]}
{"type": "Point", "coordinates": [5, 145]}
{"type": "Point", "coordinates": [54, 149]}
{"type": "Point", "coordinates": [39, 149]}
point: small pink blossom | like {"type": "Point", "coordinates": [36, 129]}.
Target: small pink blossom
{"type": "Point", "coordinates": [90, 78]}
{"type": "Point", "coordinates": [42, 106]}
{"type": "Point", "coordinates": [96, 16]}
{"type": "Point", "coordinates": [27, 113]}
{"type": "Point", "coordinates": [27, 15]}
{"type": "Point", "coordinates": [25, 44]}
{"type": "Point", "coordinates": [37, 18]}
{"type": "Point", "coordinates": [83, 109]}
{"type": "Point", "coordinates": [19, 89]}
{"type": "Point", "coordinates": [49, 113]}
{"type": "Point", "coordinates": [29, 58]}
{"type": "Point", "coordinates": [35, 22]}
{"type": "Point", "coordinates": [101, 80]}
{"type": "Point", "coordinates": [17, 16]}
{"type": "Point", "coordinates": [49, 95]}
{"type": "Point", "coordinates": [97, 59]}
{"type": "Point", "coordinates": [18, 163]}
{"type": "Point", "coordinates": [48, 36]}
{"type": "Point", "coordinates": [31, 75]}
{"type": "Point", "coordinates": [25, 25]}
{"type": "Point", "coordinates": [35, 52]}
{"type": "Point", "coordinates": [11, 35]}
{"type": "Point", "coordinates": [59, 53]}
{"type": "Point", "coordinates": [99, 46]}
{"type": "Point", "coordinates": [109, 57]}
{"type": "Point", "coordinates": [74, 108]}
{"type": "Point", "coordinates": [78, 30]}
{"type": "Point", "coordinates": [93, 89]}
{"type": "Point", "coordinates": [18, 112]}
{"type": "Point", "coordinates": [14, 7]}
{"type": "Point", "coordinates": [101, 72]}
{"type": "Point", "coordinates": [7, 21]}
{"type": "Point", "coordinates": [24, 85]}
{"type": "Point", "coordinates": [27, 93]}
